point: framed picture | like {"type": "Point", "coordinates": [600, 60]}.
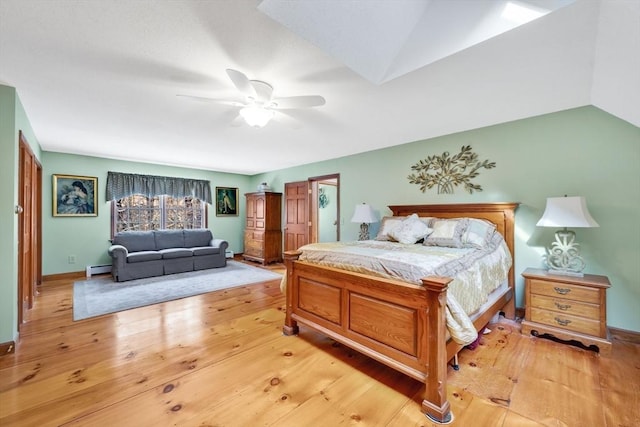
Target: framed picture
{"type": "Point", "coordinates": [226, 201]}
{"type": "Point", "coordinates": [75, 195]}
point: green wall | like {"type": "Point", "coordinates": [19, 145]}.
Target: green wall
{"type": "Point", "coordinates": [582, 151]}
{"type": "Point", "coordinates": [12, 120]}
{"type": "Point", "coordinates": [87, 238]}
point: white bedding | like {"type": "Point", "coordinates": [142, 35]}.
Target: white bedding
{"type": "Point", "coordinates": [476, 272]}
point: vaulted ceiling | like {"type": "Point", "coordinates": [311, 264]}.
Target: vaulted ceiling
{"type": "Point", "coordinates": [102, 78]}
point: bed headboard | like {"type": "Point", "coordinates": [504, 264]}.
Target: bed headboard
{"type": "Point", "coordinates": [501, 214]}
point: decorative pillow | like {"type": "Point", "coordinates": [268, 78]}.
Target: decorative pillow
{"type": "Point", "coordinates": [478, 233]}
{"type": "Point", "coordinates": [410, 230]}
{"type": "Point", "coordinates": [447, 232]}
{"type": "Point", "coordinates": [387, 224]}
{"type": "Point", "coordinates": [426, 219]}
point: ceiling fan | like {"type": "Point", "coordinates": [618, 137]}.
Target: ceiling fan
{"type": "Point", "coordinates": [260, 105]}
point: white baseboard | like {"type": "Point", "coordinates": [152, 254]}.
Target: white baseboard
{"type": "Point", "coordinates": [98, 269]}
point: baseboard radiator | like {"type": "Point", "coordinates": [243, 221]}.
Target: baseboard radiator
{"type": "Point", "coordinates": [92, 270]}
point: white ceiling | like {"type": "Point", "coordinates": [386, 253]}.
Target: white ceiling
{"type": "Point", "coordinates": [101, 77]}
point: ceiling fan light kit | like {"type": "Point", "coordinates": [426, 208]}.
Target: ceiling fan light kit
{"type": "Point", "coordinates": [256, 116]}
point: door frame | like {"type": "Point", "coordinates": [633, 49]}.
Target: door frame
{"type": "Point", "coordinates": [313, 204]}
{"type": "Point", "coordinates": [29, 270]}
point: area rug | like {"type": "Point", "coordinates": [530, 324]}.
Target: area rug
{"type": "Point", "coordinates": [101, 295]}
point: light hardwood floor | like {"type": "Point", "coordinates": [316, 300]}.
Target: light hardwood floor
{"type": "Point", "coordinates": [220, 359]}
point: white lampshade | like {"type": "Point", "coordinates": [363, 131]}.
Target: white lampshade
{"type": "Point", "coordinates": [256, 116]}
{"type": "Point", "coordinates": [364, 214]}
{"type": "Point", "coordinates": [567, 212]}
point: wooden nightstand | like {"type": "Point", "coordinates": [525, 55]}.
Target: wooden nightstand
{"type": "Point", "coordinates": [567, 307]}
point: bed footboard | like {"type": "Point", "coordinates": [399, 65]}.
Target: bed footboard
{"type": "Point", "coordinates": [397, 323]}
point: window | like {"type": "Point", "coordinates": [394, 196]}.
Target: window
{"type": "Point", "coordinates": [138, 212]}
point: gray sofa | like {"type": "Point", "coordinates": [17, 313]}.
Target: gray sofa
{"type": "Point", "coordinates": [138, 254]}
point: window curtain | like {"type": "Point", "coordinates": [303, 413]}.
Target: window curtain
{"type": "Point", "coordinates": [121, 185]}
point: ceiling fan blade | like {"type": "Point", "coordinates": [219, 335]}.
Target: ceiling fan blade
{"type": "Point", "coordinates": [263, 90]}
{"type": "Point", "coordinates": [216, 100]}
{"type": "Point", "coordinates": [241, 82]}
{"type": "Point", "coordinates": [299, 102]}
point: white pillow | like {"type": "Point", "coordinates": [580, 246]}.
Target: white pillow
{"type": "Point", "coordinates": [387, 224]}
{"type": "Point", "coordinates": [410, 230]}
{"type": "Point", "coordinates": [447, 232]}
{"type": "Point", "coordinates": [427, 220]}
{"type": "Point", "coordinates": [478, 233]}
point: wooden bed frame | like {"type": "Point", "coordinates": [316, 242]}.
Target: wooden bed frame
{"type": "Point", "coordinates": [397, 323]}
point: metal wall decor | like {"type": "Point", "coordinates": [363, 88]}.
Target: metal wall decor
{"type": "Point", "coordinates": [447, 172]}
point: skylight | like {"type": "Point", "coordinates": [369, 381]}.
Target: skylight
{"type": "Point", "coordinates": [520, 13]}
{"type": "Point", "coordinates": [384, 39]}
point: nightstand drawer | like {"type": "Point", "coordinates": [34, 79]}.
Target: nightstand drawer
{"type": "Point", "coordinates": [564, 290]}
{"type": "Point", "coordinates": [566, 306]}
{"type": "Point", "coordinates": [565, 321]}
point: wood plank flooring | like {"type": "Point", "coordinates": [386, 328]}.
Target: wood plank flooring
{"type": "Point", "coordinates": [220, 359]}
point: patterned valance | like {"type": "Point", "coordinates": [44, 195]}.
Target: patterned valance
{"type": "Point", "coordinates": [121, 185]}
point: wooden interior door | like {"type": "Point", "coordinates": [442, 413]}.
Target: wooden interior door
{"type": "Point", "coordinates": [296, 212]}
{"type": "Point", "coordinates": [29, 228]}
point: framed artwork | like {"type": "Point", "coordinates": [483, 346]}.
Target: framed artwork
{"type": "Point", "coordinates": [75, 195]}
{"type": "Point", "coordinates": [226, 201]}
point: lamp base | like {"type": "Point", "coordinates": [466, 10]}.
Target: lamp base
{"type": "Point", "coordinates": [563, 257]}
{"type": "Point", "coordinates": [364, 231]}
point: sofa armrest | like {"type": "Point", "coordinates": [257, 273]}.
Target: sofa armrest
{"type": "Point", "coordinates": [219, 243]}
{"type": "Point", "coordinates": [119, 255]}
{"type": "Point", "coordinates": [118, 252]}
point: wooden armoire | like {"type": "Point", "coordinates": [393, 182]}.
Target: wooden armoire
{"type": "Point", "coordinates": [263, 232]}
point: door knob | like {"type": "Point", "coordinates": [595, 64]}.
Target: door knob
{"type": "Point", "coordinates": [19, 209]}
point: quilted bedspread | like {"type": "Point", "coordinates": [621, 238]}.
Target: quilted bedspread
{"type": "Point", "coordinates": [476, 272]}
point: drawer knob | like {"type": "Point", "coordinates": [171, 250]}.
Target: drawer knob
{"type": "Point", "coordinates": [562, 322]}
{"type": "Point", "coordinates": [562, 291]}
{"type": "Point", "coordinates": [563, 306]}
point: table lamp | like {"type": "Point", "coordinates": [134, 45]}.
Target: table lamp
{"type": "Point", "coordinates": [365, 215]}
{"type": "Point", "coordinates": [563, 256]}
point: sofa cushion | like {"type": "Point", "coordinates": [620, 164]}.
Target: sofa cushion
{"type": "Point", "coordinates": [205, 250]}
{"type": "Point", "coordinates": [142, 256]}
{"type": "Point", "coordinates": [169, 239]}
{"type": "Point", "coordinates": [197, 237]}
{"type": "Point", "coordinates": [135, 241]}
{"type": "Point", "coordinates": [175, 253]}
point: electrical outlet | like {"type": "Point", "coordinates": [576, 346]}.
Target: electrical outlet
{"type": "Point", "coordinates": [72, 259]}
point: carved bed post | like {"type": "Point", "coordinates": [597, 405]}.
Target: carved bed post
{"type": "Point", "coordinates": [509, 237]}
{"type": "Point", "coordinates": [435, 404]}
{"type": "Point", "coordinates": [290, 326]}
